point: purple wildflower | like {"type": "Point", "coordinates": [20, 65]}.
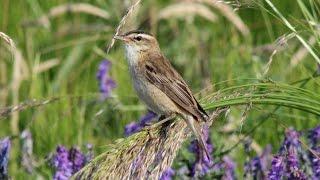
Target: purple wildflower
{"type": "Point", "coordinates": [134, 127]}
{"type": "Point", "coordinates": [315, 162]}
{"type": "Point", "coordinates": [288, 154]}
{"type": "Point", "coordinates": [131, 128]}
{"type": "Point", "coordinates": [203, 163]}
{"type": "Point", "coordinates": [314, 139]}
{"type": "Point", "coordinates": [106, 84]}
{"type": "Point", "coordinates": [67, 162]}
{"type": "Point", "coordinates": [229, 168]}
{"type": "Point", "coordinates": [62, 164]}
{"type": "Point", "coordinates": [293, 170]}
{"type": "Point", "coordinates": [77, 159]}
{"type": "Point", "coordinates": [147, 118]}
{"type": "Point", "coordinates": [318, 69]}
{"type": "Point", "coordinates": [252, 167]}
{"type": "Point", "coordinates": [5, 146]}
{"type": "Point", "coordinates": [314, 136]}
{"type": "Point", "coordinates": [167, 174]}
{"type": "Point", "coordinates": [27, 149]}
{"type": "Point", "coordinates": [265, 158]}
{"type": "Point", "coordinates": [290, 148]}
{"type": "Point", "coordinates": [277, 168]}
{"type": "Point", "coordinates": [258, 166]}
{"type": "Point", "coordinates": [291, 141]}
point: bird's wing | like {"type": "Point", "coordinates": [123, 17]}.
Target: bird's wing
{"type": "Point", "coordinates": [160, 73]}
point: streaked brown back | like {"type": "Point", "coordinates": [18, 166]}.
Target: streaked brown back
{"type": "Point", "coordinates": [160, 72]}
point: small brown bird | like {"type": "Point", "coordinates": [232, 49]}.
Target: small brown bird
{"type": "Point", "coordinates": [158, 84]}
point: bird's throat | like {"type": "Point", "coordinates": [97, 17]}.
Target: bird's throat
{"type": "Point", "coordinates": [132, 55]}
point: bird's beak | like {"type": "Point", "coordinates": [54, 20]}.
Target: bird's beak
{"type": "Point", "coordinates": [121, 38]}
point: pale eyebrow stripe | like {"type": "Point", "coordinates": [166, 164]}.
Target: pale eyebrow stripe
{"type": "Point", "coordinates": [145, 36]}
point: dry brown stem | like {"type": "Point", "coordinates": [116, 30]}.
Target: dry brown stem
{"type": "Point", "coordinates": [228, 12]}
{"type": "Point", "coordinates": [185, 9]}
{"type": "Point", "coordinates": [68, 8]}
{"type": "Point", "coordinates": [122, 23]}
{"type": "Point", "coordinates": [8, 40]}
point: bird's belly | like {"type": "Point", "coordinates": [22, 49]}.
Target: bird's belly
{"type": "Point", "coordinates": [154, 98]}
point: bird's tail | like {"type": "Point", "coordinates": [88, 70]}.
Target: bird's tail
{"type": "Point", "coordinates": [196, 129]}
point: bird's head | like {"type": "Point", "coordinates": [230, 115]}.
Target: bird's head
{"type": "Point", "coordinates": [139, 42]}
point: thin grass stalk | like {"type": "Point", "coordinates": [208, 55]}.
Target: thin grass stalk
{"type": "Point", "coordinates": [122, 23]}
{"type": "Point", "coordinates": [19, 73]}
{"type": "Point", "coordinates": [185, 9]}
{"type": "Point", "coordinates": [269, 86]}
{"type": "Point", "coordinates": [228, 12]}
{"type": "Point", "coordinates": [68, 8]}
{"type": "Point", "coordinates": [287, 23]}
{"type": "Point", "coordinates": [8, 40]}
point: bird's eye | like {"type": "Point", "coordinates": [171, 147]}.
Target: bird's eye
{"type": "Point", "coordinates": [138, 38]}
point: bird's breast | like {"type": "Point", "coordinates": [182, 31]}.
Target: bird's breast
{"type": "Point", "coordinates": [153, 97]}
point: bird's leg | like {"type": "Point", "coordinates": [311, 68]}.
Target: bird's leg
{"type": "Point", "coordinates": [162, 119]}
{"type": "Point", "coordinates": [148, 127]}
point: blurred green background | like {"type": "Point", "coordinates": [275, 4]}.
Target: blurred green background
{"type": "Point", "coordinates": [59, 48]}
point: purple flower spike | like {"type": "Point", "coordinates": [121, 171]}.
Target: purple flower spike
{"type": "Point", "coordinates": [106, 84]}
{"type": "Point", "coordinates": [144, 120]}
{"type": "Point", "coordinates": [290, 149]}
{"type": "Point", "coordinates": [318, 69]}
{"type": "Point", "coordinates": [134, 127]}
{"type": "Point", "coordinates": [293, 167]}
{"type": "Point", "coordinates": [77, 158]}
{"type": "Point", "coordinates": [315, 162]}
{"type": "Point", "coordinates": [286, 163]}
{"type": "Point", "coordinates": [167, 174]}
{"type": "Point", "coordinates": [5, 146]}
{"type": "Point", "coordinates": [62, 164]}
{"type": "Point", "coordinates": [257, 168]}
{"type": "Point", "coordinates": [67, 162]}
{"type": "Point", "coordinates": [314, 136]}
{"type": "Point", "coordinates": [253, 167]}
{"type": "Point", "coordinates": [277, 168]}
{"type": "Point", "coordinates": [131, 128]}
{"type": "Point", "coordinates": [291, 140]}
{"type": "Point", "coordinates": [229, 166]}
